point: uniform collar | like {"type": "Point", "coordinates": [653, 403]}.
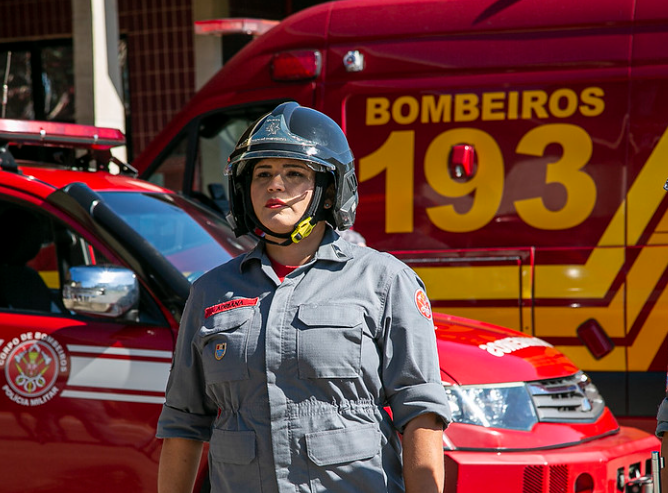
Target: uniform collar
{"type": "Point", "coordinates": [332, 248]}
{"type": "Point", "coordinates": [256, 253]}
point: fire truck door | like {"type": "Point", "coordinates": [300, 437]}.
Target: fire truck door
{"type": "Point", "coordinates": [79, 396]}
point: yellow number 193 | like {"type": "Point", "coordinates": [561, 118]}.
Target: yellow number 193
{"type": "Point", "coordinates": [396, 156]}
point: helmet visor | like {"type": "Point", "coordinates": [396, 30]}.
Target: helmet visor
{"type": "Point", "coordinates": [311, 160]}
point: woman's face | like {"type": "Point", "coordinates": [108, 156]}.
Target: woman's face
{"type": "Point", "coordinates": [281, 191]}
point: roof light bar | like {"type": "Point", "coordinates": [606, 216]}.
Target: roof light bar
{"type": "Point", "coordinates": [220, 27]}
{"type": "Point", "coordinates": [38, 132]}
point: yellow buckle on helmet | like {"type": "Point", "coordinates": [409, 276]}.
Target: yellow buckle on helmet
{"type": "Point", "coordinates": [302, 230]}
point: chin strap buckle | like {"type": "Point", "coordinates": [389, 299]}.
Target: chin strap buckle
{"type": "Point", "coordinates": [302, 230]}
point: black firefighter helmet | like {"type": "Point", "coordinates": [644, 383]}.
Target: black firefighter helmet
{"type": "Point", "coordinates": [292, 131]}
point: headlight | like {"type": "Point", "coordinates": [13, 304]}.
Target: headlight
{"type": "Point", "coordinates": [507, 406]}
{"type": "Point", "coordinates": [570, 399]}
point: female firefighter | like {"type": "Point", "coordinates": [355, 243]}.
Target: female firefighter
{"type": "Point", "coordinates": [289, 357]}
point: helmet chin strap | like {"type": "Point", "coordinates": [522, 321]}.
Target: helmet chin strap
{"type": "Point", "coordinates": [314, 213]}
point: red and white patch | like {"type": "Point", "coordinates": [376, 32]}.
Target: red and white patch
{"type": "Point", "coordinates": [229, 305]}
{"type": "Point", "coordinates": [32, 368]}
{"type": "Point", "coordinates": [422, 303]}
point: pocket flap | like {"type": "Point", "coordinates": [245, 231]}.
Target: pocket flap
{"type": "Point", "coordinates": [233, 447]}
{"type": "Point", "coordinates": [222, 322]}
{"type": "Point", "coordinates": [338, 446]}
{"type": "Point", "coordinates": [330, 315]}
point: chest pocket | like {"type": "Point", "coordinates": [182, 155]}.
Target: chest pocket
{"type": "Point", "coordinates": [329, 341]}
{"type": "Point", "coordinates": [225, 345]}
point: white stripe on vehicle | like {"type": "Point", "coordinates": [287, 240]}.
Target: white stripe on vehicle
{"type": "Point", "coordinates": [119, 374]}
{"type": "Point", "coordinates": [118, 351]}
{"type": "Point", "coordinates": [77, 394]}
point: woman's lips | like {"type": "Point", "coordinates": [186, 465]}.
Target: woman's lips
{"type": "Point", "coordinates": [274, 204]}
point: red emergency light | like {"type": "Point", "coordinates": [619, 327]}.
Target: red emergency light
{"type": "Point", "coordinates": [220, 27]}
{"type": "Point", "coordinates": [53, 133]}
{"type": "Point", "coordinates": [462, 162]}
{"type": "Point", "coordinates": [296, 65]}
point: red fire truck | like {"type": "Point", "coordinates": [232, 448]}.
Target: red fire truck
{"type": "Point", "coordinates": [512, 152]}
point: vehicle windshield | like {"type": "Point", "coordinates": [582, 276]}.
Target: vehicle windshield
{"type": "Point", "coordinates": [190, 238]}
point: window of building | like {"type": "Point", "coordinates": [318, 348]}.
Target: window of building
{"type": "Point", "coordinates": [37, 80]}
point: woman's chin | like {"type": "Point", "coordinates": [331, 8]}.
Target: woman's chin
{"type": "Point", "coordinates": [278, 223]}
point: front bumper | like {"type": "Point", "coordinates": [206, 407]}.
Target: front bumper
{"type": "Point", "coordinates": [610, 461]}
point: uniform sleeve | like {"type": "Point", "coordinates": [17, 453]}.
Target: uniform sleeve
{"type": "Point", "coordinates": [662, 418]}
{"type": "Point", "coordinates": [410, 372]}
{"type": "Point", "coordinates": [188, 412]}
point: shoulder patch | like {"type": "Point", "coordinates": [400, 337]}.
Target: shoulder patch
{"type": "Point", "coordinates": [422, 303]}
{"type": "Point", "coordinates": [229, 305]}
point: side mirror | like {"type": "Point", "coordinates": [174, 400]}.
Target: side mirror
{"type": "Point", "coordinates": [107, 291]}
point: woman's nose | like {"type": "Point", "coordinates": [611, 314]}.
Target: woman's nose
{"type": "Point", "coordinates": [276, 183]}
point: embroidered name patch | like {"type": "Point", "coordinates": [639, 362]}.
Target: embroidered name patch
{"type": "Point", "coordinates": [229, 305]}
{"type": "Point", "coordinates": [422, 303]}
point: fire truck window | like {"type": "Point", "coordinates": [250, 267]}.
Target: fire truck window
{"type": "Point", "coordinates": [29, 274]}
{"type": "Point", "coordinates": [73, 251]}
{"type": "Point", "coordinates": [216, 143]}
{"type": "Point", "coordinates": [170, 173]}
{"type": "Point", "coordinates": [36, 254]}
{"type": "Point", "coordinates": [218, 135]}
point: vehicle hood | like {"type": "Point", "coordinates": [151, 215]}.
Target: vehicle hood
{"type": "Point", "coordinates": [100, 181]}
{"type": "Point", "coordinates": [472, 352]}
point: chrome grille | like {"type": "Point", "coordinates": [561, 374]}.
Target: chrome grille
{"type": "Point", "coordinates": [570, 399]}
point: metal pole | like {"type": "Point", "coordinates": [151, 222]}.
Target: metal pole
{"type": "Point", "coordinates": [5, 87]}
{"type": "Point", "coordinates": [656, 472]}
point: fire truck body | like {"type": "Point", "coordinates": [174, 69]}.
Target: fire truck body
{"type": "Point", "coordinates": [511, 152]}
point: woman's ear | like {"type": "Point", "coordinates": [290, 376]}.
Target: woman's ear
{"type": "Point", "coordinates": [330, 193]}
{"type": "Point", "coordinates": [330, 196]}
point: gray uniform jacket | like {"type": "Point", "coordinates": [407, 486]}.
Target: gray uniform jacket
{"type": "Point", "coordinates": [289, 381]}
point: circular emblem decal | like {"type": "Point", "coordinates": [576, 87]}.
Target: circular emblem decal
{"type": "Point", "coordinates": [32, 367]}
{"type": "Point", "coordinates": [422, 303]}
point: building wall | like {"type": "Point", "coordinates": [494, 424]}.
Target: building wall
{"type": "Point", "coordinates": [161, 72]}
{"type": "Point", "coordinates": [34, 19]}
{"type": "Point", "coordinates": [159, 42]}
